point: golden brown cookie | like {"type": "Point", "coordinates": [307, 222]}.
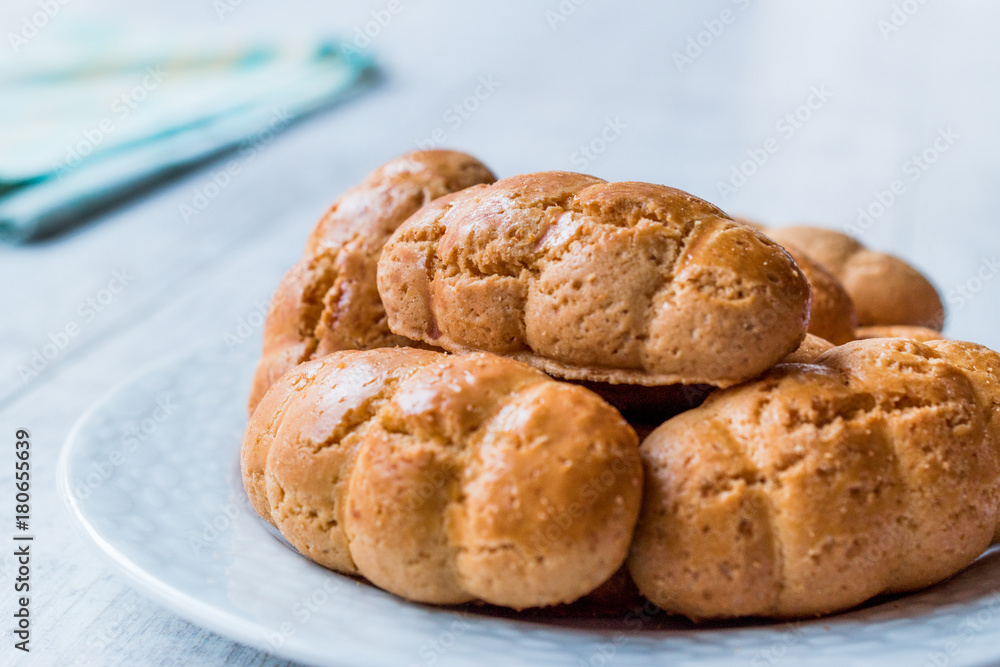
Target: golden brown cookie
{"type": "Point", "coordinates": [809, 351]}
{"type": "Point", "coordinates": [446, 479]}
{"type": "Point", "coordinates": [329, 300]}
{"type": "Point", "coordinates": [832, 315]}
{"type": "Point", "coordinates": [919, 334]}
{"type": "Point", "coordinates": [646, 408]}
{"type": "Point", "coordinates": [983, 366]}
{"type": "Point", "coordinates": [626, 283]}
{"type": "Point", "coordinates": [750, 223]}
{"type": "Point", "coordinates": [885, 289]}
{"type": "Point", "coordinates": [875, 470]}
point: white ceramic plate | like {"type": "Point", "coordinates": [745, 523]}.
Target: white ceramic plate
{"type": "Point", "coordinates": [152, 474]}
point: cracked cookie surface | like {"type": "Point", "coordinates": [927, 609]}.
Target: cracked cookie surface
{"type": "Point", "coordinates": [629, 283]}
{"type": "Point", "coordinates": [329, 300]}
{"type": "Point", "coordinates": [832, 315]}
{"type": "Point", "coordinates": [819, 486]}
{"type": "Point", "coordinates": [446, 479]}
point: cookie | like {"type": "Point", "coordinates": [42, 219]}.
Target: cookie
{"type": "Point", "coordinates": [817, 487]}
{"type": "Point", "coordinates": [885, 289]}
{"type": "Point", "coordinates": [329, 300]}
{"type": "Point", "coordinates": [624, 283]}
{"type": "Point", "coordinates": [809, 351]}
{"type": "Point", "coordinates": [446, 479]}
{"type": "Point", "coordinates": [832, 316]}
{"type": "Point", "coordinates": [646, 408]}
{"type": "Point", "coordinates": [919, 334]}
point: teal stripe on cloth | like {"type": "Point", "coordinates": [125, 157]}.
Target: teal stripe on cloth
{"type": "Point", "coordinates": [78, 134]}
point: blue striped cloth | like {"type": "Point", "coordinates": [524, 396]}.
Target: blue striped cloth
{"type": "Point", "coordinates": [81, 127]}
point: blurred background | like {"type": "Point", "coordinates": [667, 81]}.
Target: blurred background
{"type": "Point", "coordinates": [873, 117]}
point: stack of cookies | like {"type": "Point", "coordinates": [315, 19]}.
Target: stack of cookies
{"type": "Point", "coordinates": [456, 374]}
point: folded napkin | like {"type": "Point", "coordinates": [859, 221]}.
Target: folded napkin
{"type": "Point", "coordinates": [84, 125]}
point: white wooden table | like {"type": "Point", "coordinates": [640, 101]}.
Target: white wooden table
{"type": "Point", "coordinates": [680, 95]}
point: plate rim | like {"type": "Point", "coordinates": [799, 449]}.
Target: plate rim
{"type": "Point", "coordinates": [235, 628]}
{"type": "Point", "coordinates": [183, 605]}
